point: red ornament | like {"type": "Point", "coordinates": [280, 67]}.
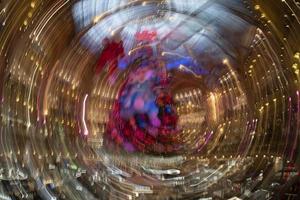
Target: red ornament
{"type": "Point", "coordinates": [146, 36]}
{"type": "Point", "coordinates": [110, 54]}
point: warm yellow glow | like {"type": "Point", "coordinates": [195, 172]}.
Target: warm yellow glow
{"type": "Point", "coordinates": [213, 101]}
{"type": "Point", "coordinates": [32, 4]}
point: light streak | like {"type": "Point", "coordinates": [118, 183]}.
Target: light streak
{"type": "Point", "coordinates": [85, 132]}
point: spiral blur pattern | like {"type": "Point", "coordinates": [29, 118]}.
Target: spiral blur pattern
{"type": "Point", "coordinates": [153, 99]}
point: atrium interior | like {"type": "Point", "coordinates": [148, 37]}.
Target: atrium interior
{"type": "Point", "coordinates": [153, 99]}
